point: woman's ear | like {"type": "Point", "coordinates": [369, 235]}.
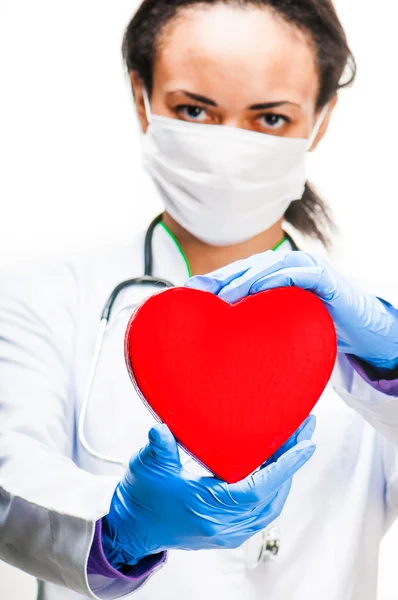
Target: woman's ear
{"type": "Point", "coordinates": [137, 89]}
{"type": "Point", "coordinates": [325, 124]}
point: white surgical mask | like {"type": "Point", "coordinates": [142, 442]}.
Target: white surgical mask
{"type": "Point", "coordinates": [223, 184]}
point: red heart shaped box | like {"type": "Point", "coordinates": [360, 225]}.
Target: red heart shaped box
{"type": "Point", "coordinates": [232, 382]}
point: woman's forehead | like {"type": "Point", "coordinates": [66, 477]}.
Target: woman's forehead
{"type": "Point", "coordinates": [236, 50]}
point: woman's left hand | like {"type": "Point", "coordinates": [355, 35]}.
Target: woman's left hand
{"type": "Point", "coordinates": [366, 326]}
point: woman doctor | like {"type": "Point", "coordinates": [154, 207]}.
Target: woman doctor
{"type": "Point", "coordinates": [230, 95]}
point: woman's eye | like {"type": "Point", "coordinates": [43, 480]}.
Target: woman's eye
{"type": "Point", "coordinates": [189, 111]}
{"type": "Point", "coordinates": [273, 121]}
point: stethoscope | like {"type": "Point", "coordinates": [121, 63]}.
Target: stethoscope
{"type": "Point", "coordinates": [270, 538]}
{"type": "Point", "coordinates": [147, 279]}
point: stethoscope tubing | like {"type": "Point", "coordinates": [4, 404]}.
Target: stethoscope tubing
{"type": "Point", "coordinates": [146, 279]}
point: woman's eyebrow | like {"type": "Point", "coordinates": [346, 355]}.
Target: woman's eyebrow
{"type": "Point", "coordinates": [266, 105]}
{"type": "Point", "coordinates": [209, 102]}
{"type": "Point", "coordinates": [196, 97]}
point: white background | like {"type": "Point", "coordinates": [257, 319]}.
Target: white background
{"type": "Point", "coordinates": [70, 161]}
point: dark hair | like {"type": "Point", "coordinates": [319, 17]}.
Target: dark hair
{"type": "Point", "coordinates": [316, 18]}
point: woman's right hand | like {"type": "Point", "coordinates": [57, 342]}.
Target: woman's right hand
{"type": "Point", "coordinates": [158, 505]}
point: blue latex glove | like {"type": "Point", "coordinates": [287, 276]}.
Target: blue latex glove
{"type": "Point", "coordinates": [366, 326]}
{"type": "Point", "coordinates": [159, 505]}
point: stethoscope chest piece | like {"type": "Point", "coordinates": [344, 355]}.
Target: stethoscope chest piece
{"type": "Point", "coordinates": [262, 548]}
{"type": "Point", "coordinates": [270, 546]}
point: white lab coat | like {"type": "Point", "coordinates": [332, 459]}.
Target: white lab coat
{"type": "Point", "coordinates": [52, 492]}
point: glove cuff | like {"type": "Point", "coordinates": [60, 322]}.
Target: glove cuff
{"type": "Point", "coordinates": [99, 564]}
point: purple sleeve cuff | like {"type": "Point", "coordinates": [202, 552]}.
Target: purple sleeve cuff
{"type": "Point", "coordinates": [383, 383]}
{"type": "Point", "coordinates": [98, 564]}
